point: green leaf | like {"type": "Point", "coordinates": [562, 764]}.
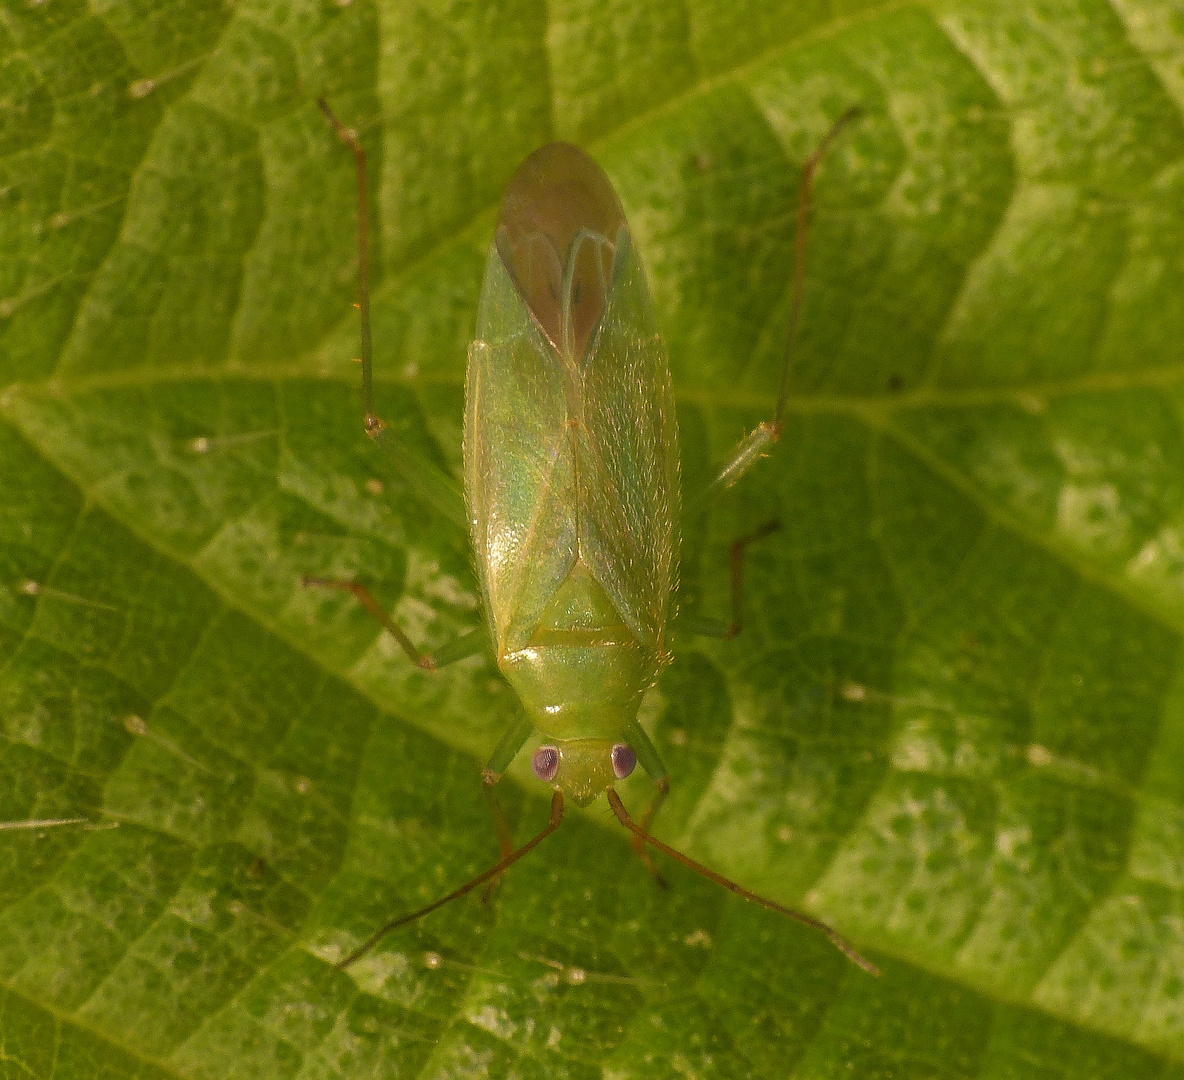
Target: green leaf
{"type": "Point", "coordinates": [953, 723]}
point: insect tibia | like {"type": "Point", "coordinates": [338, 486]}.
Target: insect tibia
{"type": "Point", "coordinates": [754, 446]}
{"type": "Point", "coordinates": [751, 449]}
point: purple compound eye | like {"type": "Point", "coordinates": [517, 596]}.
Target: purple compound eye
{"type": "Point", "coordinates": [545, 763]}
{"type": "Point", "coordinates": [624, 760]}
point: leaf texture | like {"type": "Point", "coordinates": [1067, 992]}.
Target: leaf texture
{"type": "Point", "coordinates": [953, 723]}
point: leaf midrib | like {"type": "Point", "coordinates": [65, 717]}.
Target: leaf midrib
{"type": "Point", "coordinates": [723, 397]}
{"type": "Point", "coordinates": [875, 413]}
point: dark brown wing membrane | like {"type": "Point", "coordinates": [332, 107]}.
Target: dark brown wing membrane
{"type": "Point", "coordinates": [559, 200]}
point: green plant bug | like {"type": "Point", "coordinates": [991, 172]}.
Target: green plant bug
{"type": "Point", "coordinates": [571, 492]}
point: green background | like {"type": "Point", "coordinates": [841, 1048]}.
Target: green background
{"type": "Point", "coordinates": [954, 723]}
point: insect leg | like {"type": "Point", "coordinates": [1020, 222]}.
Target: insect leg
{"type": "Point", "coordinates": [758, 442]}
{"type": "Point", "coordinates": [737, 561]}
{"type": "Point", "coordinates": [655, 768]}
{"type": "Point", "coordinates": [505, 752]}
{"type": "Point", "coordinates": [428, 480]}
{"type": "Point", "coordinates": [505, 842]}
{"type": "Point", "coordinates": [463, 646]}
{"type": "Point", "coordinates": [708, 627]}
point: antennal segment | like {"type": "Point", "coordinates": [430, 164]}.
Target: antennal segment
{"type": "Point", "coordinates": [468, 886]}
{"type": "Point", "coordinates": [839, 942]}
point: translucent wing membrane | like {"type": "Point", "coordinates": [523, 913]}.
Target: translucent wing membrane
{"type": "Point", "coordinates": [557, 235]}
{"type": "Point", "coordinates": [627, 458]}
{"type": "Point", "coordinates": [519, 465]}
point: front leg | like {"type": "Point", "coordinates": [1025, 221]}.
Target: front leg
{"type": "Point", "coordinates": [513, 741]}
{"type": "Point", "coordinates": [650, 760]}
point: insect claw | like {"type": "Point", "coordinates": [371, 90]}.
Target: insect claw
{"type": "Point", "coordinates": [374, 424]}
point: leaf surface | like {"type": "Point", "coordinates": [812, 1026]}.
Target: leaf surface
{"type": "Point", "coordinates": [953, 723]}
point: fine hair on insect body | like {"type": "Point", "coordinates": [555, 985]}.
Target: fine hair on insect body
{"type": "Point", "coordinates": [571, 495]}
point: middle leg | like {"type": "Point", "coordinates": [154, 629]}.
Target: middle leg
{"type": "Point", "coordinates": [705, 626]}
{"type": "Point", "coordinates": [454, 650]}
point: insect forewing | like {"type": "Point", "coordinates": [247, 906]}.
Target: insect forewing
{"type": "Point", "coordinates": [627, 461]}
{"type": "Point", "coordinates": [570, 436]}
{"type": "Point", "coordinates": [518, 463]}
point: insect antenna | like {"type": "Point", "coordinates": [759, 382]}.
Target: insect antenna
{"type": "Point", "coordinates": [799, 260]}
{"type": "Point", "coordinates": [839, 942]}
{"type": "Point", "coordinates": [468, 886]}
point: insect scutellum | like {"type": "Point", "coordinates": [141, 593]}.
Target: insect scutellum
{"type": "Point", "coordinates": [571, 492]}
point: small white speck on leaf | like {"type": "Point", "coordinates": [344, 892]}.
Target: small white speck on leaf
{"type": "Point", "coordinates": [1039, 755]}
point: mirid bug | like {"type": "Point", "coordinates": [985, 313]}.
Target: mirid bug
{"type": "Point", "coordinates": [571, 492]}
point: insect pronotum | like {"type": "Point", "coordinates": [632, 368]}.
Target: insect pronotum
{"type": "Point", "coordinates": [571, 492]}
